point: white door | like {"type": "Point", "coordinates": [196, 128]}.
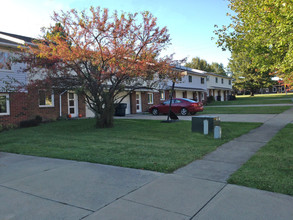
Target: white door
{"type": "Point", "coordinates": [138, 102]}
{"type": "Point", "coordinates": [72, 104]}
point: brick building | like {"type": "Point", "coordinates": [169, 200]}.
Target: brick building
{"type": "Point", "coordinates": [19, 102]}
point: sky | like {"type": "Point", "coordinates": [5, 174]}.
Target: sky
{"type": "Point", "coordinates": [190, 22]}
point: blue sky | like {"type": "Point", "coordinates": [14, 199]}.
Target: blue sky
{"type": "Point", "coordinates": [190, 22]}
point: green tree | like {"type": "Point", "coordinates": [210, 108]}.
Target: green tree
{"type": "Point", "coordinates": [201, 64]}
{"type": "Point", "coordinates": [246, 75]}
{"type": "Point", "coordinates": [263, 29]}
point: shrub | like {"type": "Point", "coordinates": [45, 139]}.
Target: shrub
{"type": "Point", "coordinates": [210, 99]}
{"type": "Point", "coordinates": [31, 123]}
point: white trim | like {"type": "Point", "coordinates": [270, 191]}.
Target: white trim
{"type": "Point", "coordinates": [138, 105]}
{"type": "Point", "coordinates": [7, 105]}
{"type": "Point", "coordinates": [52, 98]}
{"type": "Point", "coordinates": [164, 95]}
{"type": "Point", "coordinates": [75, 107]}
{"type": "Point", "coordinates": [152, 98]}
{"type": "Point", "coordinates": [13, 39]}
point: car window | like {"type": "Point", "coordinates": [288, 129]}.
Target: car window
{"type": "Point", "coordinates": [167, 102]}
{"type": "Point", "coordinates": [189, 100]}
{"type": "Point", "coordinates": [177, 101]}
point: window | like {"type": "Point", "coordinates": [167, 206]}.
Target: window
{"type": "Point", "coordinates": [4, 104]}
{"type": "Point", "coordinates": [222, 81]}
{"type": "Point", "coordinates": [216, 79]}
{"type": "Point", "coordinates": [162, 95]}
{"type": "Point", "coordinates": [46, 98]}
{"type": "Point", "coordinates": [190, 79]}
{"type": "Point", "coordinates": [202, 80]}
{"type": "Point", "coordinates": [150, 98]}
{"type": "Point", "coordinates": [5, 61]}
{"type": "Point", "coordinates": [229, 81]}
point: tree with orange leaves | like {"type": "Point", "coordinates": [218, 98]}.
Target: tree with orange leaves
{"type": "Point", "coordinates": [104, 55]}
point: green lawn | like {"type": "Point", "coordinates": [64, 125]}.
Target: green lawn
{"type": "Point", "coordinates": [143, 144]}
{"type": "Point", "coordinates": [258, 99]}
{"type": "Point", "coordinates": [271, 168]}
{"type": "Point", "coordinates": [245, 110]}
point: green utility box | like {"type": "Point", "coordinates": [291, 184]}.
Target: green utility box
{"type": "Point", "coordinates": [197, 123]}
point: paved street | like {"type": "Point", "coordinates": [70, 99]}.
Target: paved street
{"type": "Point", "coordinates": [43, 188]}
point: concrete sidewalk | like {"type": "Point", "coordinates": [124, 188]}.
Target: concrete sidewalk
{"type": "Point", "coordinates": [44, 188]}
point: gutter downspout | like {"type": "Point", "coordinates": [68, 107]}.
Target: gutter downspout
{"type": "Point", "coordinates": [60, 102]}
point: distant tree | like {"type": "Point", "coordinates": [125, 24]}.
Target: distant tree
{"type": "Point", "coordinates": [263, 30]}
{"type": "Point", "coordinates": [201, 64]}
{"type": "Point", "coordinates": [246, 75]}
{"type": "Point", "coordinates": [103, 55]}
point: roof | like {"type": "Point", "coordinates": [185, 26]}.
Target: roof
{"type": "Point", "coordinates": [13, 40]}
{"type": "Point", "coordinates": [219, 75]}
{"type": "Point", "coordinates": [189, 89]}
{"type": "Point", "coordinates": [220, 88]}
{"type": "Point", "coordinates": [191, 71]}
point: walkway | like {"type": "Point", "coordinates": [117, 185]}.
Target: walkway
{"type": "Point", "coordinates": [43, 188]}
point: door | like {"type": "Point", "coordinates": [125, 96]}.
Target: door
{"type": "Point", "coordinates": [72, 104]}
{"type": "Point", "coordinates": [138, 102]}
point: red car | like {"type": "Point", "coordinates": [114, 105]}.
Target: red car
{"type": "Point", "coordinates": [179, 105]}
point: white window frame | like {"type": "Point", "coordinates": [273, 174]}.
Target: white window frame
{"type": "Point", "coordinates": [52, 98]}
{"type": "Point", "coordinates": [152, 98]}
{"type": "Point", "coordinates": [162, 95]}
{"type": "Point", "coordinates": [190, 78]}
{"type": "Point", "coordinates": [6, 57]}
{"type": "Point", "coordinates": [7, 105]}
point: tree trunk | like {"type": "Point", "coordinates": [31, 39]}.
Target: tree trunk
{"type": "Point", "coordinates": [106, 118]}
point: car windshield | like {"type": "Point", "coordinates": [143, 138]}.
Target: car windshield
{"type": "Point", "coordinates": [189, 100]}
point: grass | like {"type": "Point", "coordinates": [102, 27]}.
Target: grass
{"type": "Point", "coordinates": [258, 99]}
{"type": "Point", "coordinates": [245, 110]}
{"type": "Point", "coordinates": [142, 144]}
{"type": "Point", "coordinates": [271, 168]}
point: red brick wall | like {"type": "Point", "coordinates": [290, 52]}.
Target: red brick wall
{"type": "Point", "coordinates": [144, 100]}
{"type": "Point", "coordinates": [52, 113]}
{"type": "Point", "coordinates": [25, 106]}
{"type": "Point", "coordinates": [47, 113]}
{"type": "Point", "coordinates": [18, 109]}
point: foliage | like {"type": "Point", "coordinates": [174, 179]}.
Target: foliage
{"type": "Point", "coordinates": [246, 75]}
{"type": "Point", "coordinates": [262, 29]}
{"type": "Point", "coordinates": [244, 110]}
{"type": "Point", "coordinates": [201, 64]}
{"type": "Point", "coordinates": [31, 123]}
{"type": "Point", "coordinates": [259, 99]}
{"type": "Point", "coordinates": [271, 167]}
{"type": "Point", "coordinates": [210, 99]}
{"type": "Point", "coordinates": [101, 56]}
{"type": "Point", "coordinates": [138, 144]}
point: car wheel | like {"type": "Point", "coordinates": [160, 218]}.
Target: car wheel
{"type": "Point", "coordinates": [155, 111]}
{"type": "Point", "coordinates": [192, 113]}
{"type": "Point", "coordinates": [184, 111]}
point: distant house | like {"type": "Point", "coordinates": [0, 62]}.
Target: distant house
{"type": "Point", "coordinates": [18, 102]}
{"type": "Point", "coordinates": [219, 86]}
{"type": "Point", "coordinates": [192, 86]}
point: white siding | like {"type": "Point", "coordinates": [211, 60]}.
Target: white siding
{"type": "Point", "coordinates": [16, 74]}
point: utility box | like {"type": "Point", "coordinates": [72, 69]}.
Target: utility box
{"type": "Point", "coordinates": [197, 123]}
